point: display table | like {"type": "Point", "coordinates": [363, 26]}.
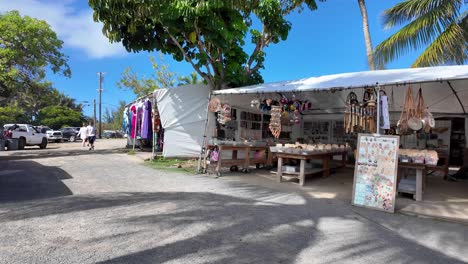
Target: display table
{"type": "Point", "coordinates": [420, 178]}
{"type": "Point", "coordinates": [323, 155]}
{"type": "Point", "coordinates": [244, 162]}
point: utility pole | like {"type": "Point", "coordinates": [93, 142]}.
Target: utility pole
{"type": "Point", "coordinates": [94, 104]}
{"type": "Point", "coordinates": [100, 102]}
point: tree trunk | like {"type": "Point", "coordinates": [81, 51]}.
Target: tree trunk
{"type": "Point", "coordinates": [367, 37]}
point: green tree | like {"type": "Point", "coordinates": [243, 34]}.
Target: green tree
{"type": "Point", "coordinates": [60, 116]}
{"type": "Point", "coordinates": [438, 27]}
{"type": "Point", "coordinates": [28, 48]}
{"type": "Point", "coordinates": [114, 119]}
{"type": "Point", "coordinates": [209, 34]}
{"type": "Point", "coordinates": [163, 77]}
{"type": "Point", "coordinates": [12, 115]}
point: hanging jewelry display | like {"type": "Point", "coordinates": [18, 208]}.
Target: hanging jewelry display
{"type": "Point", "coordinates": [275, 121]}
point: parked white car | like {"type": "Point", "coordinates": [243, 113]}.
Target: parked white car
{"type": "Point", "coordinates": [27, 135]}
{"type": "Point", "coordinates": [52, 135]}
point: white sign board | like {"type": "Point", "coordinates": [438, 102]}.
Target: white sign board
{"type": "Point", "coordinates": [375, 173]}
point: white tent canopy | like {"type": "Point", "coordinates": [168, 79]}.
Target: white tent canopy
{"type": "Point", "coordinates": [445, 88]}
{"type": "Point", "coordinates": [183, 113]}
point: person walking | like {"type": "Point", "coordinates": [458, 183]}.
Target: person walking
{"type": "Point", "coordinates": [91, 132]}
{"type": "Point", "coordinates": [83, 134]}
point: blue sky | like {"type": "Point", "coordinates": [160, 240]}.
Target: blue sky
{"type": "Point", "coordinates": [326, 41]}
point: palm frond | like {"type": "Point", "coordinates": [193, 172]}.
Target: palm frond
{"type": "Point", "coordinates": [448, 48]}
{"type": "Point", "coordinates": [412, 9]}
{"type": "Point", "coordinates": [420, 32]}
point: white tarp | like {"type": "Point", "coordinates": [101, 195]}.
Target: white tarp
{"type": "Point", "coordinates": [183, 114]}
{"type": "Point", "coordinates": [440, 85]}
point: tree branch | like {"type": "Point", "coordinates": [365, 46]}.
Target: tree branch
{"type": "Point", "coordinates": [187, 58]}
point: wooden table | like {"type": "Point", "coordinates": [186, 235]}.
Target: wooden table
{"type": "Point", "coordinates": [324, 156]}
{"type": "Point", "coordinates": [244, 162]}
{"type": "Point", "coordinates": [420, 178]}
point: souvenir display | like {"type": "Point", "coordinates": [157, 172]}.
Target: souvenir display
{"type": "Point", "coordinates": [349, 116]}
{"type": "Point", "coordinates": [422, 112]}
{"type": "Point", "coordinates": [275, 121]}
{"type": "Point", "coordinates": [361, 117]}
{"type": "Point", "coordinates": [423, 156]}
{"type": "Point", "coordinates": [215, 104]}
{"type": "Point", "coordinates": [375, 172]}
{"type": "Point", "coordinates": [408, 121]}
{"type": "Point", "coordinates": [384, 111]}
{"type": "Point", "coordinates": [307, 149]}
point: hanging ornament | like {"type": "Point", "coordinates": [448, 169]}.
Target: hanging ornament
{"type": "Point", "coordinates": [215, 104]}
{"type": "Point", "coordinates": [275, 121]}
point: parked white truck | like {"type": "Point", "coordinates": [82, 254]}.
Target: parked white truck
{"type": "Point", "coordinates": [27, 135]}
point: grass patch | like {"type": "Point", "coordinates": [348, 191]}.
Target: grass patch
{"type": "Point", "coordinates": [131, 152]}
{"type": "Point", "coordinates": [176, 165]}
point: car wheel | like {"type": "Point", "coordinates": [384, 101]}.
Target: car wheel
{"type": "Point", "coordinates": [43, 145]}
{"type": "Point", "coordinates": [21, 143]}
{"type": "Point", "coordinates": [72, 139]}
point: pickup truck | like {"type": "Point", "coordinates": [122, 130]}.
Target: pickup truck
{"type": "Point", "coordinates": [27, 135]}
{"type": "Point", "coordinates": [52, 135]}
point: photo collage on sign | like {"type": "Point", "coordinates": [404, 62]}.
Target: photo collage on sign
{"type": "Point", "coordinates": [375, 173]}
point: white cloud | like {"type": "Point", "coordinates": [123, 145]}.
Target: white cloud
{"type": "Point", "coordinates": [75, 27]}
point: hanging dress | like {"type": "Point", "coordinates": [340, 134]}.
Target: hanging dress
{"type": "Point", "coordinates": [133, 109]}
{"type": "Point", "coordinates": [146, 128]}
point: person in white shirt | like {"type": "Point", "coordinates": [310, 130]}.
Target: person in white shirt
{"type": "Point", "coordinates": [91, 132]}
{"type": "Point", "coordinates": [83, 134]}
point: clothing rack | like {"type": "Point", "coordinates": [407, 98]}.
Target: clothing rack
{"type": "Point", "coordinates": [148, 96]}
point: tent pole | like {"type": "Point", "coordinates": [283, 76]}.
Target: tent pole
{"type": "Point", "coordinates": [378, 109]}
{"type": "Point", "coordinates": [203, 149]}
{"type": "Point", "coordinates": [456, 95]}
{"type": "Point", "coordinates": [135, 128]}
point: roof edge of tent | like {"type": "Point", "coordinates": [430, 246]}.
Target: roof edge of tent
{"type": "Point", "coordinates": [259, 88]}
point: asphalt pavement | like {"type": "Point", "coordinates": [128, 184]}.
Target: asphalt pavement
{"type": "Point", "coordinates": [71, 205]}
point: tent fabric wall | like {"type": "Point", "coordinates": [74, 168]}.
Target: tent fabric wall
{"type": "Point", "coordinates": [183, 114]}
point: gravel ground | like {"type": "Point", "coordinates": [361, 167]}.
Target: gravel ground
{"type": "Point", "coordinates": [71, 205]}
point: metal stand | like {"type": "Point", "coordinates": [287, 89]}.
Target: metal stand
{"type": "Point", "coordinates": [378, 109]}
{"type": "Point", "coordinates": [203, 147]}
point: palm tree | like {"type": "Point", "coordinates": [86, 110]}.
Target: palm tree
{"type": "Point", "coordinates": [367, 37]}
{"type": "Point", "coordinates": [437, 26]}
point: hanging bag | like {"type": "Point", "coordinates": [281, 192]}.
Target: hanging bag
{"type": "Point", "coordinates": [423, 112]}
{"type": "Point", "coordinates": [406, 113]}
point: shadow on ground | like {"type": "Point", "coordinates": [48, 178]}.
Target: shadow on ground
{"type": "Point", "coordinates": [22, 180]}
{"type": "Point", "coordinates": [55, 153]}
{"type": "Point", "coordinates": [204, 227]}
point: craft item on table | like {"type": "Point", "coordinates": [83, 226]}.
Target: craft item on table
{"type": "Point", "coordinates": [384, 112]}
{"type": "Point", "coordinates": [275, 121]}
{"type": "Point", "coordinates": [431, 157]}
